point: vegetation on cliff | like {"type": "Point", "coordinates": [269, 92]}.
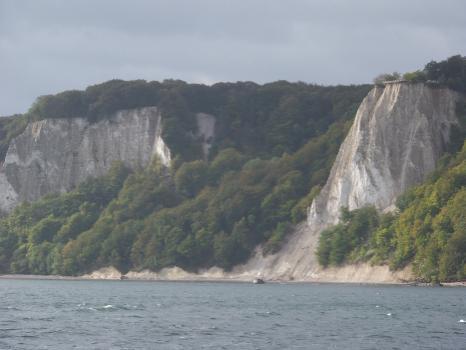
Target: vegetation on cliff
{"type": "Point", "coordinates": [450, 72]}
{"type": "Point", "coordinates": [10, 127]}
{"type": "Point", "coordinates": [207, 213]}
{"type": "Point", "coordinates": [274, 147]}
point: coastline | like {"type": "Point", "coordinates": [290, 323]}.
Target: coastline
{"type": "Point", "coordinates": [199, 279]}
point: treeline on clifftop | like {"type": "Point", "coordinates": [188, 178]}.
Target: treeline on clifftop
{"type": "Point", "coordinates": [258, 120]}
{"type": "Point", "coordinates": [274, 146]}
{"type": "Point", "coordinates": [449, 73]}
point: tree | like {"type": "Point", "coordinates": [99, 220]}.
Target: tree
{"type": "Point", "coordinates": [226, 160]}
{"type": "Point", "coordinates": [45, 229]}
{"type": "Point", "coordinates": [191, 177]}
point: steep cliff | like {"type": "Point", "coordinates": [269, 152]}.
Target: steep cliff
{"type": "Point", "coordinates": [55, 155]}
{"type": "Point", "coordinates": [399, 133]}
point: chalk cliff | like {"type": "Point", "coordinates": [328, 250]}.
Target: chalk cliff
{"type": "Point", "coordinates": [399, 133]}
{"type": "Point", "coordinates": [55, 155]}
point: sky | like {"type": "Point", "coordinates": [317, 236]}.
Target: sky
{"type": "Point", "coordinates": [49, 46]}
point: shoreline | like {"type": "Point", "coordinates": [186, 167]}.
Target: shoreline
{"type": "Point", "coordinates": [222, 280]}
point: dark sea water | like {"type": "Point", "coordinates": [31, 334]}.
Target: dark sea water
{"type": "Point", "coordinates": [37, 314]}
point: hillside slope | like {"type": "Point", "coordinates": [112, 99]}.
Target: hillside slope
{"type": "Point", "coordinates": [238, 177]}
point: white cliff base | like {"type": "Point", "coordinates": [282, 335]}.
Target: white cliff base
{"type": "Point", "coordinates": [105, 273]}
{"type": "Point", "coordinates": [360, 273]}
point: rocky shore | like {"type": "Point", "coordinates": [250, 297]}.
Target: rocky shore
{"type": "Point", "coordinates": [362, 274]}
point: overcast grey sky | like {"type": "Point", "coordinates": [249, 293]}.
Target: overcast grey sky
{"type": "Point", "coordinates": [49, 46]}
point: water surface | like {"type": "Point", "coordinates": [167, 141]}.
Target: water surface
{"type": "Point", "coordinates": [38, 314]}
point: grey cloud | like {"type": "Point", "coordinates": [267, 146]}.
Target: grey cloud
{"type": "Point", "coordinates": [48, 46]}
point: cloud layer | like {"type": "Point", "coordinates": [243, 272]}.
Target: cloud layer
{"type": "Point", "coordinates": [50, 45]}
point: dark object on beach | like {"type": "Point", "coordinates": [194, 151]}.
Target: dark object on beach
{"type": "Point", "coordinates": [123, 277]}
{"type": "Point", "coordinates": [258, 281]}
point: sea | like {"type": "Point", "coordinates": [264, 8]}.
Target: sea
{"type": "Point", "coordinates": [57, 314]}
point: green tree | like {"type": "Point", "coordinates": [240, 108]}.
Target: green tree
{"type": "Point", "coordinates": [45, 229]}
{"type": "Point", "coordinates": [191, 177]}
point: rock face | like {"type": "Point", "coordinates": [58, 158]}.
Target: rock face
{"type": "Point", "coordinates": [399, 133]}
{"type": "Point", "coordinates": [55, 155]}
{"type": "Point", "coordinates": [205, 131]}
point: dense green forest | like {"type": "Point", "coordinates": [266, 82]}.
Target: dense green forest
{"type": "Point", "coordinates": [274, 146]}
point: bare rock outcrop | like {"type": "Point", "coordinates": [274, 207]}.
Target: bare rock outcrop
{"type": "Point", "coordinates": [205, 131]}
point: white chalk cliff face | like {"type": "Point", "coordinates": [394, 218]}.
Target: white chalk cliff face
{"type": "Point", "coordinates": [55, 155]}
{"type": "Point", "coordinates": [399, 133]}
